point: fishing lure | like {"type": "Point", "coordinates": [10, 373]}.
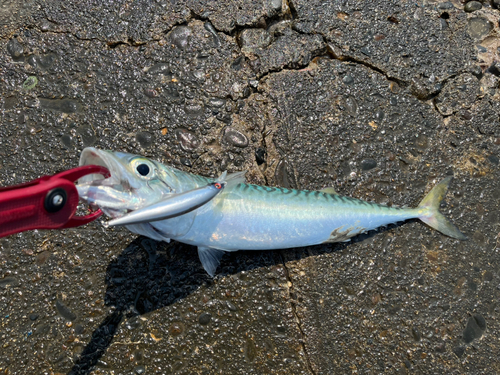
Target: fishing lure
{"type": "Point", "coordinates": [175, 205]}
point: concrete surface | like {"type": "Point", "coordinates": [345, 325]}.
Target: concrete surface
{"type": "Point", "coordinates": [378, 99]}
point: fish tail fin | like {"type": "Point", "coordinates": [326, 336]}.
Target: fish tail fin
{"type": "Point", "coordinates": [232, 179]}
{"type": "Point", "coordinates": [429, 211]}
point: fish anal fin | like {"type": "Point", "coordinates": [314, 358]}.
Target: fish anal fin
{"type": "Point", "coordinates": [210, 258]}
{"type": "Point", "coordinates": [329, 190]}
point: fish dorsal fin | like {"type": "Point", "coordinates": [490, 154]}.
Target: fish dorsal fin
{"type": "Point", "coordinates": [222, 177]}
{"type": "Point", "coordinates": [329, 190]}
{"type": "Point", "coordinates": [232, 179]}
{"type": "Point", "coordinates": [210, 258]}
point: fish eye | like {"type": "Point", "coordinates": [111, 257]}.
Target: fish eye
{"type": "Point", "coordinates": [143, 169]}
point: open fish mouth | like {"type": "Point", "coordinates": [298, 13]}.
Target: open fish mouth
{"type": "Point", "coordinates": [93, 156]}
{"type": "Point", "coordinates": [114, 195]}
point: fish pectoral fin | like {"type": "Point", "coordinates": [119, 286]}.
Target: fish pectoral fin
{"type": "Point", "coordinates": [146, 229]}
{"type": "Point", "coordinates": [210, 258]}
{"type": "Point", "coordinates": [329, 190]}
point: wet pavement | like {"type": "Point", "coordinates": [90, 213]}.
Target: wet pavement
{"type": "Point", "coordinates": [378, 99]}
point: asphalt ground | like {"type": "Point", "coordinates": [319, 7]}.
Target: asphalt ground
{"type": "Point", "coordinates": [378, 99]}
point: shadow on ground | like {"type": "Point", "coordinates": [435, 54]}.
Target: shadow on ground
{"type": "Point", "coordinates": [149, 275]}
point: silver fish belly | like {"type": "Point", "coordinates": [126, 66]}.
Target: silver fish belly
{"type": "Point", "coordinates": [251, 217]}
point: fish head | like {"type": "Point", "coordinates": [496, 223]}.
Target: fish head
{"type": "Point", "coordinates": [135, 182]}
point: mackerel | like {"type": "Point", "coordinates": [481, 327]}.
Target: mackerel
{"type": "Point", "coordinates": [243, 216]}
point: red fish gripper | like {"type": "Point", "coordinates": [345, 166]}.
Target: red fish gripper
{"type": "Point", "coordinates": [49, 202]}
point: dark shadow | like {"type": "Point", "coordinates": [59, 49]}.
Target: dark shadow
{"type": "Point", "coordinates": [146, 276]}
{"type": "Point", "coordinates": [149, 275]}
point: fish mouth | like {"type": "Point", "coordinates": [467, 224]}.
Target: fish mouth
{"type": "Point", "coordinates": [93, 156]}
{"type": "Point", "coordinates": [114, 194]}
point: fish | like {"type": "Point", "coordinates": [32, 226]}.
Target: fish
{"type": "Point", "coordinates": [243, 216]}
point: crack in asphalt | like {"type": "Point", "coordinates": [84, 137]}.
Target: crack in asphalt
{"type": "Point", "coordinates": [111, 44]}
{"type": "Point", "coordinates": [287, 13]}
{"type": "Point", "coordinates": [332, 51]}
{"type": "Point", "coordinates": [443, 83]}
{"type": "Point", "coordinates": [303, 340]}
{"type": "Point", "coordinates": [263, 144]}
